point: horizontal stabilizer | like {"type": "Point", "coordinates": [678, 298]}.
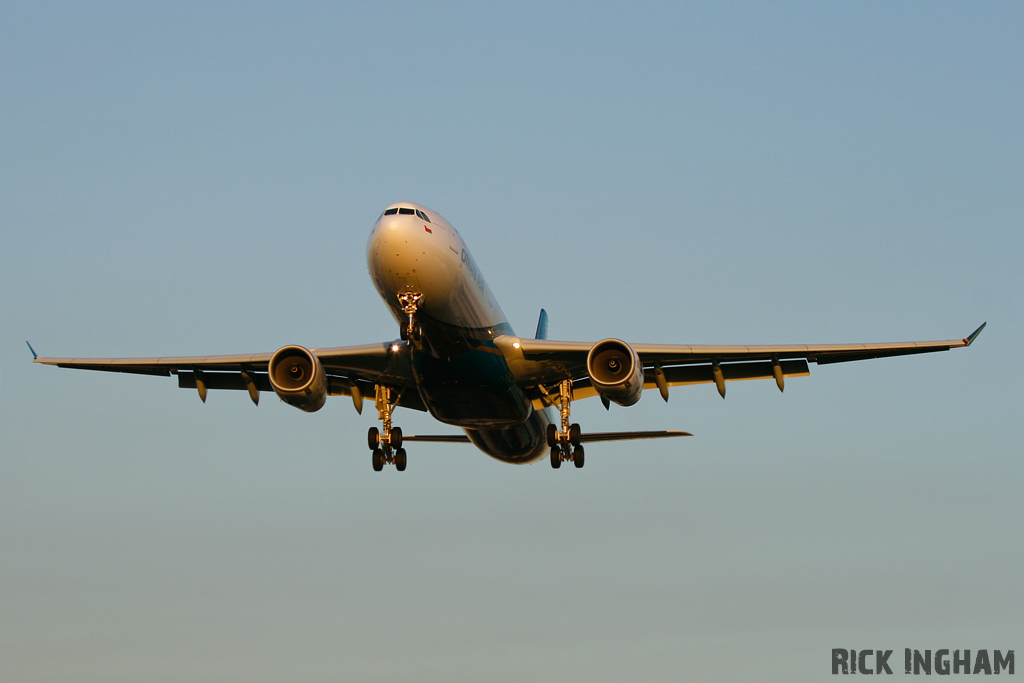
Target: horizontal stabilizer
{"type": "Point", "coordinates": [628, 436]}
{"type": "Point", "coordinates": [585, 438]}
{"type": "Point", "coordinates": [437, 438]}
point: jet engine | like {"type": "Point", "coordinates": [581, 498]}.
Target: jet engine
{"type": "Point", "coordinates": [298, 378]}
{"type": "Point", "coordinates": [615, 371]}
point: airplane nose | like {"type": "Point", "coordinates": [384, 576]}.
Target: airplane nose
{"type": "Point", "coordinates": [395, 239]}
{"type": "Point", "coordinates": [406, 254]}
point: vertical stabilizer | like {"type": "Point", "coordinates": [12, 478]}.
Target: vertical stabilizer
{"type": "Point", "coordinates": [542, 325]}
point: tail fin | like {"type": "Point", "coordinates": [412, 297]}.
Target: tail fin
{"type": "Point", "coordinates": [542, 325]}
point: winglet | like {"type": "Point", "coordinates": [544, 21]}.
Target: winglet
{"type": "Point", "coordinates": [34, 354]}
{"type": "Point", "coordinates": [974, 335]}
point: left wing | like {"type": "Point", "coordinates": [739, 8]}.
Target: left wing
{"type": "Point", "coordinates": [665, 365]}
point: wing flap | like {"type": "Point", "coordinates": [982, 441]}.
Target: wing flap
{"type": "Point", "coordinates": [683, 375]}
{"type": "Point", "coordinates": [225, 380]}
{"type": "Point", "coordinates": [336, 386]}
{"type": "Point", "coordinates": [106, 367]}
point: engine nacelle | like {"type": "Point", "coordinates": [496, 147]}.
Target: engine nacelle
{"type": "Point", "coordinates": [615, 371]}
{"type": "Point", "coordinates": [298, 377]}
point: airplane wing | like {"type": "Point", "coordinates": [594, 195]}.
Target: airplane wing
{"type": "Point", "coordinates": [354, 370]}
{"type": "Point", "coordinates": [351, 370]}
{"type": "Point", "coordinates": [667, 365]}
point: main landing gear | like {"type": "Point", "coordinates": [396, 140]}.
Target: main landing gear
{"type": "Point", "coordinates": [387, 444]}
{"type": "Point", "coordinates": [566, 443]}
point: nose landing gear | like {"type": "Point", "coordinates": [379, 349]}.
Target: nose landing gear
{"type": "Point", "coordinates": [566, 443]}
{"type": "Point", "coordinates": [387, 444]}
{"type": "Point", "coordinates": [410, 302]}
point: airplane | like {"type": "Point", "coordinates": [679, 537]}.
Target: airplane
{"type": "Point", "coordinates": [458, 358]}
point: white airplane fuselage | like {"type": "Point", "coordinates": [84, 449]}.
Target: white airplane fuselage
{"type": "Point", "coordinates": [463, 378]}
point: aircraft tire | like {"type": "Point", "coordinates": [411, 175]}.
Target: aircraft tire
{"type": "Point", "coordinates": [396, 437]}
{"type": "Point", "coordinates": [556, 457]}
{"type": "Point", "coordinates": [574, 434]}
{"type": "Point", "coordinates": [577, 457]}
{"type": "Point", "coordinates": [552, 435]}
{"type": "Point", "coordinates": [378, 460]}
{"type": "Point", "coordinates": [373, 437]}
{"type": "Point", "coordinates": [400, 460]}
{"type": "Point", "coordinates": [404, 333]}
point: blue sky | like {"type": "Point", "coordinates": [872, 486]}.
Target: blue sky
{"type": "Point", "coordinates": [195, 179]}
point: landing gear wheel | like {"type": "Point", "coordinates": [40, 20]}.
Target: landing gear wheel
{"type": "Point", "coordinates": [552, 435]}
{"type": "Point", "coordinates": [405, 336]}
{"type": "Point", "coordinates": [396, 437]}
{"type": "Point", "coordinates": [400, 459]}
{"type": "Point", "coordinates": [577, 456]}
{"type": "Point", "coordinates": [373, 438]}
{"type": "Point", "coordinates": [378, 460]}
{"type": "Point", "coordinates": [556, 457]}
{"type": "Point", "coordinates": [574, 434]}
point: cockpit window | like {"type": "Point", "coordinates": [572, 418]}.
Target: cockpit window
{"type": "Point", "coordinates": [422, 215]}
{"type": "Point", "coordinates": [405, 211]}
{"type": "Point", "coordinates": [391, 212]}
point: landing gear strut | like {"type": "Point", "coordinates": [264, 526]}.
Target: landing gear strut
{"type": "Point", "coordinates": [410, 304]}
{"type": "Point", "coordinates": [565, 443]}
{"type": "Point", "coordinates": [387, 444]}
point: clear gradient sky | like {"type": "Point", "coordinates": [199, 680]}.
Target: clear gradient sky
{"type": "Point", "coordinates": [201, 178]}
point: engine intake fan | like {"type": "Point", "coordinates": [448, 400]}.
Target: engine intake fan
{"type": "Point", "coordinates": [615, 371]}
{"type": "Point", "coordinates": [298, 377]}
